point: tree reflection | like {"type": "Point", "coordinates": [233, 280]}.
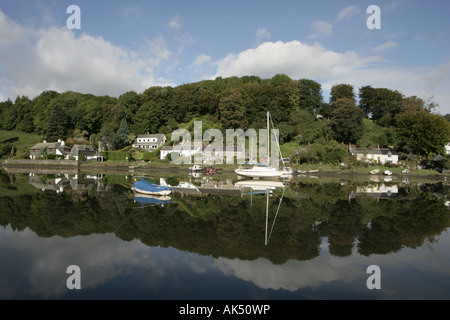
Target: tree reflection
{"type": "Point", "coordinates": [233, 226]}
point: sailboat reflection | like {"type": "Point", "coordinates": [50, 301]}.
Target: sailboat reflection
{"type": "Point", "coordinates": [264, 187]}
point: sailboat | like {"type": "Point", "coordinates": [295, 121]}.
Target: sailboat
{"type": "Point", "coordinates": [261, 171]}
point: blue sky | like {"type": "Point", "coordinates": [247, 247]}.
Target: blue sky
{"type": "Point", "coordinates": [132, 45]}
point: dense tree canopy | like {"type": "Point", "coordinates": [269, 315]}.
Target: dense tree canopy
{"type": "Point", "coordinates": [381, 104]}
{"type": "Point", "coordinates": [297, 108]}
{"type": "Point", "coordinates": [422, 133]}
{"type": "Point", "coordinates": [347, 121]}
{"type": "Point", "coordinates": [339, 91]}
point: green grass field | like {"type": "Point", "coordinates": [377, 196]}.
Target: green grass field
{"type": "Point", "coordinates": [21, 141]}
{"type": "Point", "coordinates": [288, 148]}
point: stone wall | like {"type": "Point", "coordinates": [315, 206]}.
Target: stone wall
{"type": "Point", "coordinates": [38, 163]}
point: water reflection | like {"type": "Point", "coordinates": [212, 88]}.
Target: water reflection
{"type": "Point", "coordinates": [285, 238]}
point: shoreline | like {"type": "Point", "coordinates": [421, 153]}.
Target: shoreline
{"type": "Point", "coordinates": [120, 167]}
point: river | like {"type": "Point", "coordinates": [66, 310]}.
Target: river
{"type": "Point", "coordinates": [214, 238]}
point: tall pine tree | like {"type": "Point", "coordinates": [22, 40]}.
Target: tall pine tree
{"type": "Point", "coordinates": [122, 134]}
{"type": "Point", "coordinates": [57, 124]}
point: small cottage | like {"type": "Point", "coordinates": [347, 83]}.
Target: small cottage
{"type": "Point", "coordinates": [58, 148]}
{"type": "Point", "coordinates": [208, 154]}
{"type": "Point", "coordinates": [150, 141]}
{"type": "Point", "coordinates": [85, 150]}
{"type": "Point", "coordinates": [379, 155]}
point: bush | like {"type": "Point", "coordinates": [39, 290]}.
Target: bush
{"type": "Point", "coordinates": [5, 149]}
{"type": "Point", "coordinates": [50, 156]}
{"type": "Point", "coordinates": [328, 152]}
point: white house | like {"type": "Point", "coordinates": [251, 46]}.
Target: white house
{"type": "Point", "coordinates": [58, 148]}
{"type": "Point", "coordinates": [208, 156]}
{"type": "Point", "coordinates": [149, 141]}
{"type": "Point", "coordinates": [447, 148]}
{"type": "Point", "coordinates": [378, 191]}
{"type": "Point", "coordinates": [187, 152]}
{"type": "Point", "coordinates": [380, 155]}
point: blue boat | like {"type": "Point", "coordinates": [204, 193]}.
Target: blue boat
{"type": "Point", "coordinates": [145, 187]}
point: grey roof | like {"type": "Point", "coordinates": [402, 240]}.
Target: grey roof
{"type": "Point", "coordinates": [439, 158]}
{"type": "Point", "coordinates": [159, 136]}
{"type": "Point", "coordinates": [53, 145]}
{"type": "Point", "coordinates": [79, 148]}
{"type": "Point", "coordinates": [43, 145]}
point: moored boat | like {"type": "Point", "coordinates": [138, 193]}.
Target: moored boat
{"type": "Point", "coordinates": [146, 187]}
{"type": "Point", "coordinates": [265, 170]}
{"type": "Point", "coordinates": [196, 168]}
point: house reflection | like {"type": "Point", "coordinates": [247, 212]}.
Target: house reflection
{"type": "Point", "coordinates": [58, 183]}
{"type": "Point", "coordinates": [377, 191]}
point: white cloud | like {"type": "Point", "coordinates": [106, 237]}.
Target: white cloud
{"type": "Point", "coordinates": [321, 29]}
{"type": "Point", "coordinates": [32, 61]}
{"type": "Point", "coordinates": [202, 67]}
{"type": "Point", "coordinates": [347, 13]}
{"type": "Point", "coordinates": [132, 11]}
{"type": "Point", "coordinates": [175, 23]}
{"type": "Point", "coordinates": [391, 7]}
{"type": "Point", "coordinates": [201, 60]}
{"type": "Point", "coordinates": [299, 60]}
{"type": "Point", "coordinates": [294, 59]}
{"type": "Point", "coordinates": [385, 46]}
{"type": "Point", "coordinates": [262, 35]}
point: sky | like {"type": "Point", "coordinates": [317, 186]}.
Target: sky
{"type": "Point", "coordinates": [132, 45]}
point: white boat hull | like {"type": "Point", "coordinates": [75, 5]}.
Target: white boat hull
{"type": "Point", "coordinates": [260, 184]}
{"type": "Point", "coordinates": [158, 193]}
{"type": "Point", "coordinates": [260, 173]}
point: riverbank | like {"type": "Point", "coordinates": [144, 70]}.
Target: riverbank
{"type": "Point", "coordinates": [115, 166]}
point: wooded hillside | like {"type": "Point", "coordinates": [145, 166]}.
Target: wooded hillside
{"type": "Point", "coordinates": [297, 106]}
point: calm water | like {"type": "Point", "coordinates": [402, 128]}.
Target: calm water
{"type": "Point", "coordinates": [213, 239]}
